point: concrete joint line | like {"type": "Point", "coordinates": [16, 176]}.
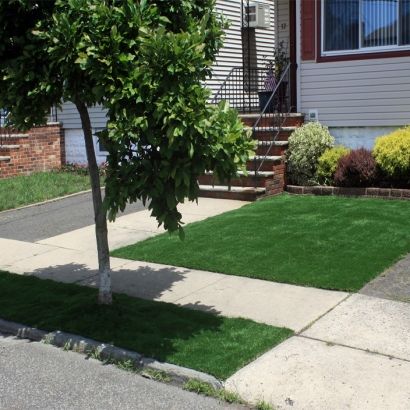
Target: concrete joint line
{"type": "Point", "coordinates": [330, 344]}
{"type": "Point", "coordinates": [179, 375]}
{"type": "Point", "coordinates": [320, 317]}
{"type": "Point", "coordinates": [197, 290]}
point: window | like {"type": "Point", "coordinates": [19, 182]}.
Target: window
{"type": "Point", "coordinates": [360, 26]}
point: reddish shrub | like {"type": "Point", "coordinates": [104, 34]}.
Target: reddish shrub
{"type": "Point", "coordinates": [356, 169]}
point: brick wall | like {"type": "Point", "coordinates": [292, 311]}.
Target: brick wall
{"type": "Point", "coordinates": [40, 149]}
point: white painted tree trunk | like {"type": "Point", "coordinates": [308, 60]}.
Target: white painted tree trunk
{"type": "Point", "coordinates": [100, 217]}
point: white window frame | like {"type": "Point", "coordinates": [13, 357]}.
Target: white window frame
{"type": "Point", "coordinates": [98, 152]}
{"type": "Point", "coordinates": [360, 50]}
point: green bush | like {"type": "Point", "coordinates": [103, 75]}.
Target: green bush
{"type": "Point", "coordinates": [306, 145]}
{"type": "Point", "coordinates": [392, 154]}
{"type": "Point", "coordinates": [327, 164]}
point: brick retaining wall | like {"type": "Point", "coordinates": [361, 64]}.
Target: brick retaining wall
{"type": "Point", "coordinates": [389, 193]}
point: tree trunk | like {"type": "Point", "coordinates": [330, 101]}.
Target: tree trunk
{"type": "Point", "coordinates": [100, 217]}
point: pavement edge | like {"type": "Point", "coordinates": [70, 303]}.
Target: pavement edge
{"type": "Point", "coordinates": [179, 375]}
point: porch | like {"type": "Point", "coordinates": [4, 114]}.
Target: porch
{"type": "Point", "coordinates": [265, 97]}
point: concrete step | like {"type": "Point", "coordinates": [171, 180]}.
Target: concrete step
{"type": "Point", "coordinates": [238, 193]}
{"type": "Point", "coordinates": [270, 133]}
{"type": "Point", "coordinates": [4, 147]}
{"type": "Point", "coordinates": [13, 136]}
{"type": "Point", "coordinates": [276, 148]}
{"type": "Point", "coordinates": [294, 119]}
{"type": "Point", "coordinates": [271, 129]}
{"type": "Point", "coordinates": [263, 179]}
{"type": "Point", "coordinates": [268, 162]}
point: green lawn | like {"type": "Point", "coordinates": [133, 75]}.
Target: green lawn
{"type": "Point", "coordinates": [325, 242]}
{"type": "Point", "coordinates": [203, 341]}
{"type": "Point", "coordinates": [29, 189]}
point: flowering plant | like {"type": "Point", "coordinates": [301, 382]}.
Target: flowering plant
{"type": "Point", "coordinates": [278, 63]}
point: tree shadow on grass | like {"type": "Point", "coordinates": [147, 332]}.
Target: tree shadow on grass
{"type": "Point", "coordinates": [135, 322]}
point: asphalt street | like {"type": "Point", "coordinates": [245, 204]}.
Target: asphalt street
{"type": "Point", "coordinates": [40, 376]}
{"type": "Point", "coordinates": [34, 223]}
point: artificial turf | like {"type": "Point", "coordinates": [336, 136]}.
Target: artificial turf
{"type": "Point", "coordinates": [324, 242]}
{"type": "Point", "coordinates": [203, 341]}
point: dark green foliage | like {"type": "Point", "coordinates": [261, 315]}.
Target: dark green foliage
{"type": "Point", "coordinates": [325, 242]}
{"type": "Point", "coordinates": [144, 62]}
{"type": "Point", "coordinates": [203, 341]}
{"type": "Point", "coordinates": [357, 169]}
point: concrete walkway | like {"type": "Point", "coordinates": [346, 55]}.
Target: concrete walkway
{"type": "Point", "coordinates": [356, 356]}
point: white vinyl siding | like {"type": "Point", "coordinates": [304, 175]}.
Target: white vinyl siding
{"type": "Point", "coordinates": [231, 54]}
{"type": "Point", "coordinates": [357, 93]}
{"type": "Point", "coordinates": [71, 119]}
{"type": "Point", "coordinates": [283, 22]}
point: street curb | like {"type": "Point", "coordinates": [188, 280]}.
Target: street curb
{"type": "Point", "coordinates": [179, 375]}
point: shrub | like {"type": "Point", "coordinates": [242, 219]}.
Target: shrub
{"type": "Point", "coordinates": [392, 154]}
{"type": "Point", "coordinates": [79, 169]}
{"type": "Point", "coordinates": [356, 169]}
{"type": "Point", "coordinates": [306, 145]}
{"type": "Point", "coordinates": [327, 164]}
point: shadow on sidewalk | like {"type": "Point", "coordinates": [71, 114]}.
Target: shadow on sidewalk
{"type": "Point", "coordinates": [145, 282]}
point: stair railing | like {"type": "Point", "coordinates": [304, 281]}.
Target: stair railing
{"type": "Point", "coordinates": [241, 88]}
{"type": "Point", "coordinates": [272, 115]}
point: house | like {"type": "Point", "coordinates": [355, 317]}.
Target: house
{"type": "Point", "coordinates": [350, 61]}
{"type": "Point", "coordinates": [352, 57]}
{"type": "Point", "coordinates": [353, 62]}
{"type": "Point", "coordinates": [262, 42]}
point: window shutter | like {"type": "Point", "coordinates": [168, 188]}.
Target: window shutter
{"type": "Point", "coordinates": [308, 29]}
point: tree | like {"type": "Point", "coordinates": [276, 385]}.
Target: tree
{"type": "Point", "coordinates": [145, 63]}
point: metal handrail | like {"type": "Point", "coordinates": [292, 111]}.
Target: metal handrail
{"type": "Point", "coordinates": [223, 85]}
{"type": "Point", "coordinates": [275, 92]}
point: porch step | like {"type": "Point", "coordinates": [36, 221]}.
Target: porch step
{"type": "Point", "coordinates": [274, 144]}
{"type": "Point", "coordinates": [13, 136]}
{"type": "Point", "coordinates": [275, 148]}
{"type": "Point", "coordinates": [238, 193]}
{"type": "Point", "coordinates": [271, 177]}
{"type": "Point", "coordinates": [274, 129]}
{"type": "Point", "coordinates": [9, 146]}
{"type": "Point", "coordinates": [270, 158]}
{"type": "Point", "coordinates": [263, 179]}
{"type": "Point", "coordinates": [292, 120]}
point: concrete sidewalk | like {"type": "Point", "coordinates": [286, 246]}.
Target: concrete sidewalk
{"type": "Point", "coordinates": [356, 356]}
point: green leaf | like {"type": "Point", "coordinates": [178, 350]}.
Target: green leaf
{"type": "Point", "coordinates": [171, 203]}
{"type": "Point", "coordinates": [181, 233]}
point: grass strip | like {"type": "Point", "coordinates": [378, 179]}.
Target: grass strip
{"type": "Point", "coordinates": [202, 341]}
{"type": "Point", "coordinates": [324, 242]}
{"type": "Point", "coordinates": [28, 189]}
